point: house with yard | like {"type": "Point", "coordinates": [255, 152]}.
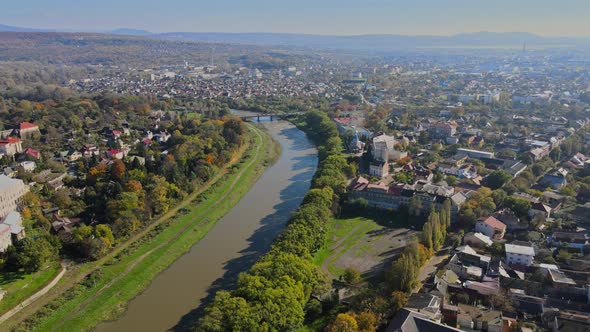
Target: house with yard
{"type": "Point", "coordinates": [572, 239]}
{"type": "Point", "coordinates": [11, 146]}
{"type": "Point", "coordinates": [477, 240]}
{"type": "Point", "coordinates": [491, 227]}
{"type": "Point", "coordinates": [554, 181]}
{"type": "Point", "coordinates": [519, 255]}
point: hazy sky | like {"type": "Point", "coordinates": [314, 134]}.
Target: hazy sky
{"type": "Point", "coordinates": [340, 17]}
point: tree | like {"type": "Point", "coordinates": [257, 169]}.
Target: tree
{"type": "Point", "coordinates": [343, 323]}
{"type": "Point", "coordinates": [398, 300]}
{"type": "Point", "coordinates": [118, 170]}
{"type": "Point", "coordinates": [428, 235]}
{"type": "Point", "coordinates": [499, 196]}
{"type": "Point", "coordinates": [415, 208]}
{"type": "Point", "coordinates": [563, 255]}
{"type": "Point", "coordinates": [519, 206]}
{"type": "Point", "coordinates": [451, 180]}
{"type": "Point", "coordinates": [366, 321]}
{"type": "Point", "coordinates": [497, 179]}
{"type": "Point", "coordinates": [104, 233]}
{"type": "Point", "coordinates": [403, 274]}
{"type": "Point", "coordinates": [158, 194]}
{"type": "Point", "coordinates": [31, 254]}
{"type": "Point", "coordinates": [351, 276]}
{"type": "Point", "coordinates": [555, 154]}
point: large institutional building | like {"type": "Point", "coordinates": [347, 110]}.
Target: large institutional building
{"type": "Point", "coordinates": [11, 192]}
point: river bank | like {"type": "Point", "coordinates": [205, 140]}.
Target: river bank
{"type": "Point", "coordinates": [175, 298]}
{"type": "Point", "coordinates": [122, 275]}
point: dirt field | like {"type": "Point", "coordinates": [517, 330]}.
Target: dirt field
{"type": "Point", "coordinates": [363, 244]}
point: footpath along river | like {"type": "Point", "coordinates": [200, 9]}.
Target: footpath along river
{"type": "Point", "coordinates": [175, 298]}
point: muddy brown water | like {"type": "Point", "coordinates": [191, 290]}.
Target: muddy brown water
{"type": "Point", "coordinates": [175, 299]}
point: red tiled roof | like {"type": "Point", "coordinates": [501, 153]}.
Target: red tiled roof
{"type": "Point", "coordinates": [10, 140]}
{"type": "Point", "coordinates": [493, 222]}
{"type": "Point", "coordinates": [33, 152]}
{"type": "Point", "coordinates": [27, 125]}
{"type": "Point", "coordinates": [344, 121]}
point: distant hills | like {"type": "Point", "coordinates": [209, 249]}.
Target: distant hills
{"type": "Point", "coordinates": [130, 32]}
{"type": "Point", "coordinates": [377, 43]}
{"type": "Point", "coordinates": [387, 42]}
{"type": "Point", "coordinates": [8, 28]}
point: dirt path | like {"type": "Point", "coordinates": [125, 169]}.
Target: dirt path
{"type": "Point", "coordinates": [134, 238]}
{"type": "Point", "coordinates": [35, 296]}
{"type": "Point", "coordinates": [178, 234]}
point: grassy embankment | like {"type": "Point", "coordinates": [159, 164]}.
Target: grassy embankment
{"type": "Point", "coordinates": [126, 274]}
{"type": "Point", "coordinates": [19, 286]}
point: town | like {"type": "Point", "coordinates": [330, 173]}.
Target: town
{"type": "Point", "coordinates": [451, 192]}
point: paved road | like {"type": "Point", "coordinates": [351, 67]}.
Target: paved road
{"type": "Point", "coordinates": [430, 267]}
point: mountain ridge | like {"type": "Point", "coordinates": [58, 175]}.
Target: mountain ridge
{"type": "Point", "coordinates": [376, 42]}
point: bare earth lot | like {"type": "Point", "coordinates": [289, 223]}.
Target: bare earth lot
{"type": "Point", "coordinates": [363, 244]}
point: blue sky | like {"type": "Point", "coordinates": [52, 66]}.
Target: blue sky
{"type": "Point", "coordinates": [336, 17]}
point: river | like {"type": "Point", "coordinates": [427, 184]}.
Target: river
{"type": "Point", "coordinates": [175, 298]}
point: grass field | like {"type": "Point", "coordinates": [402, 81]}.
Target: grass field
{"type": "Point", "coordinates": [360, 243]}
{"type": "Point", "coordinates": [19, 286]}
{"type": "Point", "coordinates": [125, 275]}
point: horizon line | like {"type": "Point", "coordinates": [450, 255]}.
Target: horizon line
{"type": "Point", "coordinates": [111, 30]}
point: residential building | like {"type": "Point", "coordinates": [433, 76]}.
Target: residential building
{"type": "Point", "coordinates": [475, 154]}
{"type": "Point", "coordinates": [475, 318]}
{"type": "Point", "coordinates": [554, 181]}
{"type": "Point", "coordinates": [383, 149]}
{"type": "Point", "coordinates": [576, 240]}
{"type": "Point", "coordinates": [11, 192]}
{"type": "Point", "coordinates": [442, 130]}
{"type": "Point", "coordinates": [491, 227]}
{"type": "Point", "coordinates": [15, 222]}
{"type": "Point", "coordinates": [539, 209]}
{"type": "Point", "coordinates": [379, 168]}
{"type": "Point", "coordinates": [425, 303]}
{"type": "Point", "coordinates": [11, 146]}
{"type": "Point", "coordinates": [27, 130]}
{"type": "Point", "coordinates": [5, 237]}
{"type": "Point", "coordinates": [28, 166]}
{"type": "Point", "coordinates": [411, 321]}
{"type": "Point", "coordinates": [477, 240]}
{"type": "Point", "coordinates": [519, 255]}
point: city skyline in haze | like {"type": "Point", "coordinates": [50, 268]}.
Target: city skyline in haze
{"type": "Point", "coordinates": [325, 17]}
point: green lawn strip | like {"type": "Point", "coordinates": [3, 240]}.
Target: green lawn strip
{"type": "Point", "coordinates": [127, 287]}
{"type": "Point", "coordinates": [337, 228]}
{"type": "Point", "coordinates": [20, 286]}
{"type": "Point", "coordinates": [130, 248]}
{"type": "Point", "coordinates": [351, 240]}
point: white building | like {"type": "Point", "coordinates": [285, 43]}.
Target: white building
{"type": "Point", "coordinates": [15, 222]}
{"type": "Point", "coordinates": [11, 192]}
{"type": "Point", "coordinates": [476, 154]}
{"type": "Point", "coordinates": [519, 255]}
{"type": "Point", "coordinates": [491, 227]}
{"type": "Point", "coordinates": [28, 166]}
{"type": "Point", "coordinates": [5, 237]}
{"type": "Point", "coordinates": [383, 149]}
{"type": "Point", "coordinates": [379, 169]}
